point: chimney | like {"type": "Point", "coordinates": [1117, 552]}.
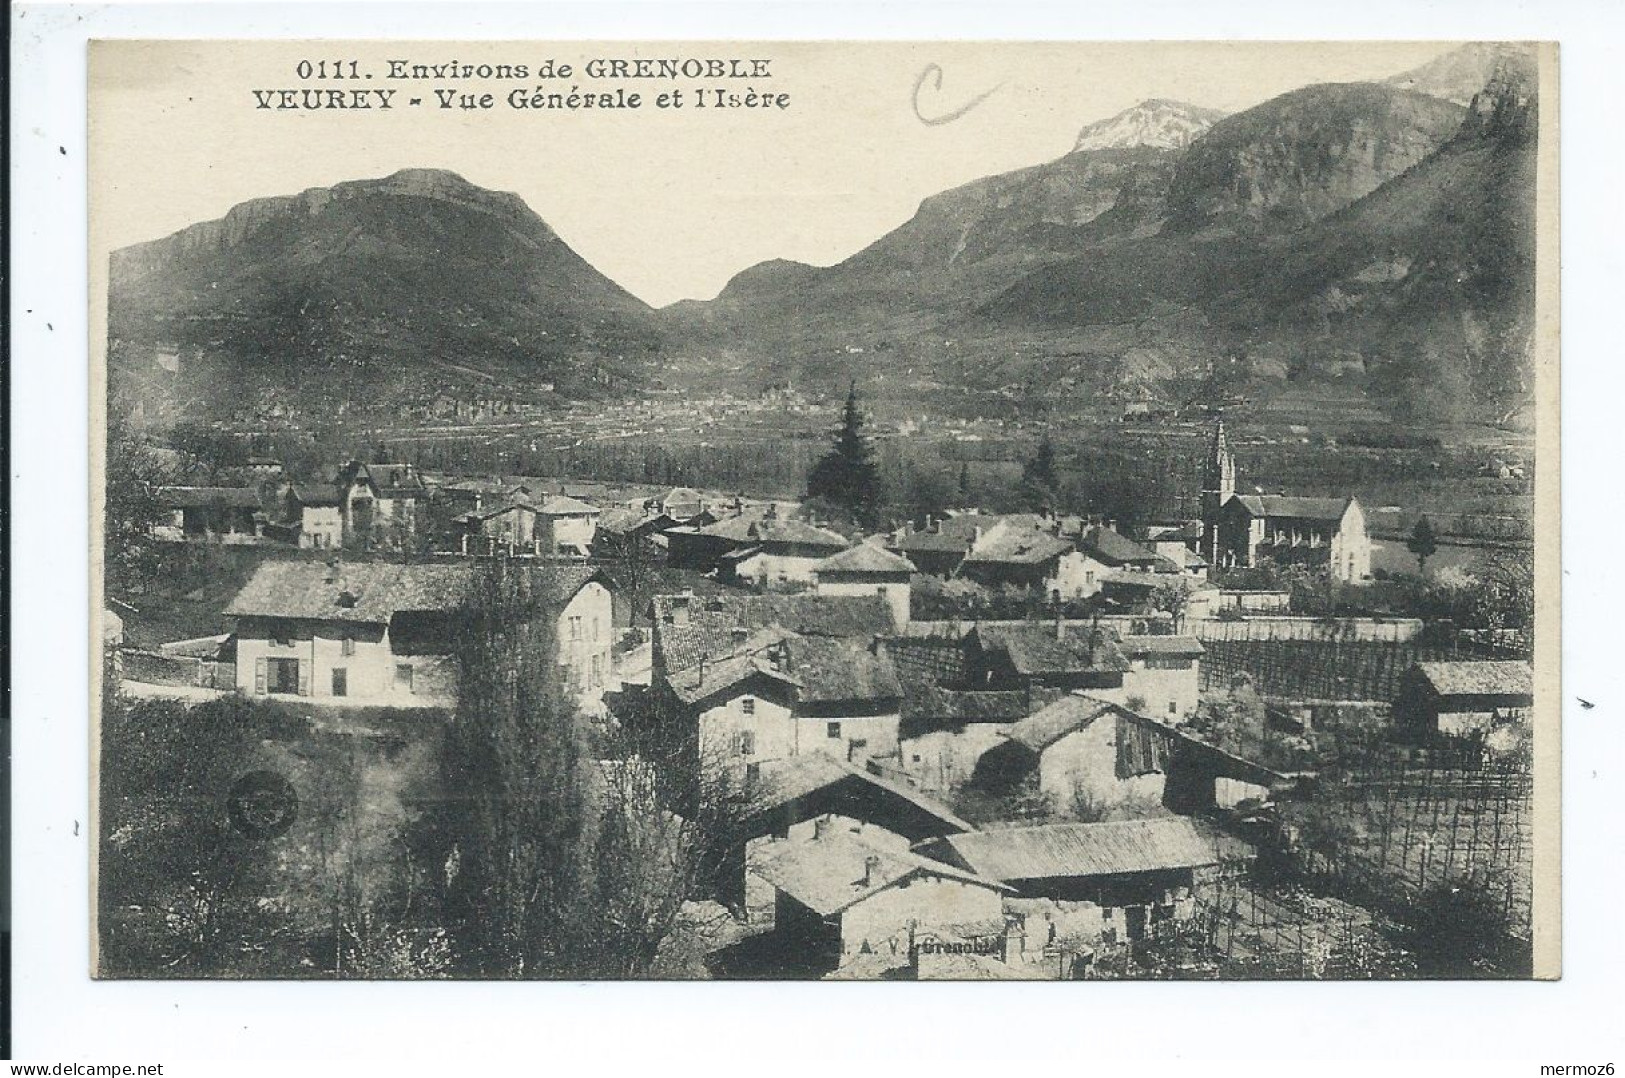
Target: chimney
{"type": "Point", "coordinates": [738, 634]}
{"type": "Point", "coordinates": [930, 522]}
{"type": "Point", "coordinates": [823, 826]}
{"type": "Point", "coordinates": [1060, 624]}
{"type": "Point", "coordinates": [679, 608]}
{"type": "Point", "coordinates": [871, 870]}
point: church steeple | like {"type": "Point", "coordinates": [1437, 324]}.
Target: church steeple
{"type": "Point", "coordinates": [1218, 487]}
{"type": "Point", "coordinates": [1218, 472]}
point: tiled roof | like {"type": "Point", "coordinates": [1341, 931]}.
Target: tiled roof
{"type": "Point", "coordinates": [562, 505]}
{"type": "Point", "coordinates": [1040, 649]}
{"type": "Point", "coordinates": [832, 872]}
{"type": "Point", "coordinates": [831, 669]}
{"type": "Point", "coordinates": [374, 592]}
{"type": "Point", "coordinates": [864, 558]}
{"type": "Point", "coordinates": [1480, 678]}
{"type": "Point", "coordinates": [1116, 549]}
{"type": "Point", "coordinates": [796, 777]}
{"type": "Point", "coordinates": [1018, 546]}
{"type": "Point", "coordinates": [1293, 507]}
{"type": "Point", "coordinates": [712, 619]}
{"type": "Point", "coordinates": [749, 659]}
{"type": "Point", "coordinates": [315, 494]}
{"type": "Point", "coordinates": [953, 534]}
{"type": "Point", "coordinates": [1181, 646]}
{"type": "Point", "coordinates": [1071, 850]}
{"type": "Point", "coordinates": [208, 497]}
{"type": "Point", "coordinates": [1065, 716]}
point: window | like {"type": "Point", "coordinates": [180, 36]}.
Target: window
{"type": "Point", "coordinates": [753, 775]}
{"type": "Point", "coordinates": [595, 678]}
{"type": "Point", "coordinates": [282, 639]}
{"type": "Point", "coordinates": [748, 705]}
{"type": "Point", "coordinates": [403, 677]}
{"type": "Point", "coordinates": [833, 729]}
{"type": "Point", "coordinates": [575, 627]}
{"type": "Point", "coordinates": [747, 743]}
{"type": "Point", "coordinates": [1173, 707]}
{"type": "Point", "coordinates": [282, 676]}
{"type": "Point", "coordinates": [881, 591]}
{"type": "Point", "coordinates": [348, 647]}
{"type": "Point", "coordinates": [341, 680]}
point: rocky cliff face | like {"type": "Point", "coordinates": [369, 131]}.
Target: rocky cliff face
{"type": "Point", "coordinates": [374, 288]}
{"type": "Point", "coordinates": [1460, 74]}
{"type": "Point", "coordinates": [1305, 154]}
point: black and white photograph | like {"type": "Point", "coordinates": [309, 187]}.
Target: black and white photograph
{"type": "Point", "coordinates": [853, 511]}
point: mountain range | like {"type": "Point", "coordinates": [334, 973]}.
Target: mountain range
{"type": "Point", "coordinates": [1375, 238]}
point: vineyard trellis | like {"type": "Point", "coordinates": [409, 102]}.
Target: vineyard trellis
{"type": "Point", "coordinates": [1324, 669]}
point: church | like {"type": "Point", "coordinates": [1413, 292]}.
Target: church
{"type": "Point", "coordinates": [1243, 531]}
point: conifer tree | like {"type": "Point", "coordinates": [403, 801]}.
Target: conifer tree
{"type": "Point", "coordinates": [847, 475]}
{"type": "Point", "coordinates": [1039, 479]}
{"type": "Point", "coordinates": [1423, 544]}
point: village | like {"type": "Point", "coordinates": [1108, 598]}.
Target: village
{"type": "Point", "coordinates": [974, 745]}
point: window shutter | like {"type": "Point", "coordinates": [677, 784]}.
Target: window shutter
{"type": "Point", "coordinates": [259, 676]}
{"type": "Point", "coordinates": [304, 678]}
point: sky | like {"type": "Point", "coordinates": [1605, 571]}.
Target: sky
{"type": "Point", "coordinates": [669, 203]}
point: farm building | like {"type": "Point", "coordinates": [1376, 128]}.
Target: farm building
{"type": "Point", "coordinates": [1164, 677]}
{"type": "Point", "coordinates": [1133, 873]}
{"type": "Point", "coordinates": [1461, 698]}
{"type": "Point", "coordinates": [1059, 656]}
{"type": "Point", "coordinates": [837, 896]}
{"type": "Point", "coordinates": [223, 514]}
{"type": "Point", "coordinates": [1082, 751]}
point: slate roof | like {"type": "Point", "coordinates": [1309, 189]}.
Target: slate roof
{"type": "Point", "coordinates": [376, 591]}
{"type": "Point", "coordinates": [1185, 647]}
{"type": "Point", "coordinates": [1113, 548]}
{"type": "Point", "coordinates": [1294, 508]}
{"type": "Point", "coordinates": [1038, 649]}
{"type": "Point", "coordinates": [865, 558]}
{"type": "Point", "coordinates": [1065, 716]}
{"type": "Point", "coordinates": [712, 619]}
{"type": "Point", "coordinates": [1481, 678]}
{"type": "Point", "coordinates": [209, 497]}
{"type": "Point", "coordinates": [1073, 850]}
{"type": "Point", "coordinates": [828, 874]}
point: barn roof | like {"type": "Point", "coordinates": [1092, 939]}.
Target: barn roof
{"type": "Point", "coordinates": [1017, 546]}
{"type": "Point", "coordinates": [833, 872]}
{"type": "Point", "coordinates": [1481, 678]}
{"type": "Point", "coordinates": [1067, 715]}
{"type": "Point", "coordinates": [794, 778]}
{"type": "Point", "coordinates": [1074, 850]}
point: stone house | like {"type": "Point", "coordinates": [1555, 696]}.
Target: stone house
{"type": "Point", "coordinates": [1164, 677]}
{"type": "Point", "coordinates": [381, 634]}
{"type": "Point", "coordinates": [380, 503]}
{"type": "Point", "coordinates": [867, 569]}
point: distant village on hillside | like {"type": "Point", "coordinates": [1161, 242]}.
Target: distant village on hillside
{"type": "Point", "coordinates": [973, 745]}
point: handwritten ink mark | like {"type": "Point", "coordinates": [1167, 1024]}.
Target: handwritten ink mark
{"type": "Point", "coordinates": [1587, 704]}
{"type": "Point", "coordinates": [933, 72]}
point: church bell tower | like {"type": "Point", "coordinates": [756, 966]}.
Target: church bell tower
{"type": "Point", "coordinates": [1218, 487]}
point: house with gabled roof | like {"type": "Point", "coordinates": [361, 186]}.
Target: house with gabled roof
{"type": "Point", "coordinates": [380, 504]}
{"type": "Point", "coordinates": [383, 633]}
{"type": "Point", "coordinates": [868, 569]}
{"type": "Point", "coordinates": [837, 896]}
{"type": "Point", "coordinates": [1039, 654]}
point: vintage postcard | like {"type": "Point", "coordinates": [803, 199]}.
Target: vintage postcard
{"type": "Point", "coordinates": [840, 510]}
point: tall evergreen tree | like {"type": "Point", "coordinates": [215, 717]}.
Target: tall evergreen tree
{"type": "Point", "coordinates": [964, 480]}
{"type": "Point", "coordinates": [1423, 544]}
{"type": "Point", "coordinates": [1039, 481]}
{"type": "Point", "coordinates": [847, 475]}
